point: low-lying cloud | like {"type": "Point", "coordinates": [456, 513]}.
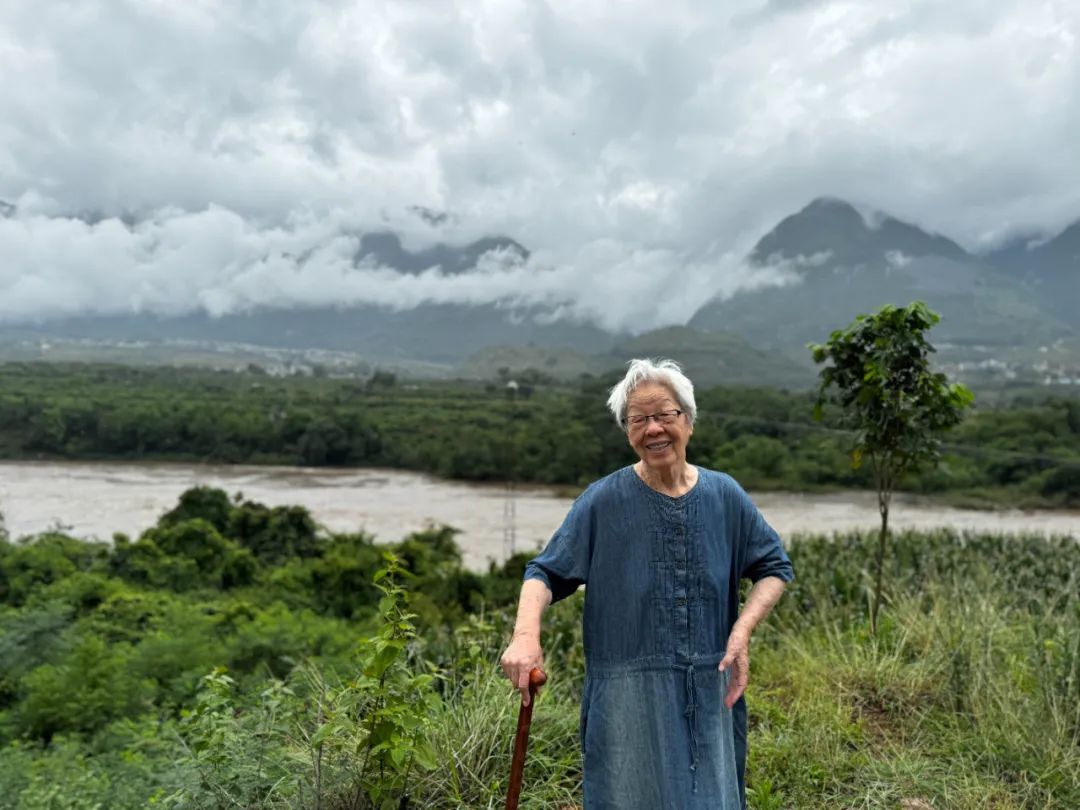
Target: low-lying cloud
{"type": "Point", "coordinates": [218, 262]}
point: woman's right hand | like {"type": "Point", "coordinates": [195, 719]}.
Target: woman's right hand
{"type": "Point", "coordinates": [520, 658]}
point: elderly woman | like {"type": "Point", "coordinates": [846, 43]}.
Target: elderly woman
{"type": "Point", "coordinates": [662, 545]}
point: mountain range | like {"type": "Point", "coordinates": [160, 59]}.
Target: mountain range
{"type": "Point", "coordinates": [1015, 307]}
{"type": "Point", "coordinates": [847, 265]}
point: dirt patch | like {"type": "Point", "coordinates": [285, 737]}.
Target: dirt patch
{"type": "Point", "coordinates": [874, 716]}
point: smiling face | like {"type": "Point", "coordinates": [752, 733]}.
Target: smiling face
{"type": "Point", "coordinates": [660, 447]}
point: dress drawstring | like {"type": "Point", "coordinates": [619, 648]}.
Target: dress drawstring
{"type": "Point", "coordinates": [691, 715]}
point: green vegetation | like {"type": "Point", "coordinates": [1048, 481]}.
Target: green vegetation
{"type": "Point", "coordinates": [235, 655]}
{"type": "Point", "coordinates": [966, 698]}
{"type": "Point", "coordinates": [1026, 453]}
{"type": "Point", "coordinates": [878, 373]}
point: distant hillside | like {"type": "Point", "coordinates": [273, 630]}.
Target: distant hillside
{"type": "Point", "coordinates": [435, 332]}
{"type": "Point", "coordinates": [708, 358]}
{"type": "Point", "coordinates": [1049, 270]}
{"type": "Point", "coordinates": [441, 333]}
{"type": "Point", "coordinates": [718, 358]}
{"type": "Point", "coordinates": [562, 364]}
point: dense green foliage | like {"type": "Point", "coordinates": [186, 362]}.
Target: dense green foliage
{"type": "Point", "coordinates": [120, 666]}
{"type": "Point", "coordinates": [235, 656]}
{"type": "Point", "coordinates": [877, 371]}
{"type": "Point", "coordinates": [1023, 453]}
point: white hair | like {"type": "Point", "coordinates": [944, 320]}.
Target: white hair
{"type": "Point", "coordinates": [644, 370]}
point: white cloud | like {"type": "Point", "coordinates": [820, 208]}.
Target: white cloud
{"type": "Point", "coordinates": [897, 259]}
{"type": "Point", "coordinates": [637, 148]}
{"type": "Point", "coordinates": [217, 261]}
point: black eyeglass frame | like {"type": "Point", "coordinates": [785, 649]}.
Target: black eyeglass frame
{"type": "Point", "coordinates": [665, 417]}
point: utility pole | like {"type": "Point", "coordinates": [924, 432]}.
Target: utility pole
{"type": "Point", "coordinates": [510, 521]}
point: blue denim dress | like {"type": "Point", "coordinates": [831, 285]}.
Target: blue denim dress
{"type": "Point", "coordinates": [661, 599]}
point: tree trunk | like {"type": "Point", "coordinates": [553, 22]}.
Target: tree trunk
{"type": "Point", "coordinates": [883, 537]}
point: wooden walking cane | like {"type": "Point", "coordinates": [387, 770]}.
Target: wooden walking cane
{"type": "Point", "coordinates": [537, 678]}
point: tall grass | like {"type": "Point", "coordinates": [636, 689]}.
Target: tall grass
{"type": "Point", "coordinates": [968, 696]}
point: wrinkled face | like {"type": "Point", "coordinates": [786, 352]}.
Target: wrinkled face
{"type": "Point", "coordinates": [658, 445]}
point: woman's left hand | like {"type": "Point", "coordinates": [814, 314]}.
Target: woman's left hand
{"type": "Point", "coordinates": [737, 661]}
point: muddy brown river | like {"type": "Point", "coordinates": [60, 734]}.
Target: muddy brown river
{"type": "Point", "coordinates": [97, 499]}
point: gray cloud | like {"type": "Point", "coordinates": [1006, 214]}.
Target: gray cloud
{"type": "Point", "coordinates": [639, 150]}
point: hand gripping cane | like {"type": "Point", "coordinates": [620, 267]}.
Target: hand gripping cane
{"type": "Point", "coordinates": [537, 678]}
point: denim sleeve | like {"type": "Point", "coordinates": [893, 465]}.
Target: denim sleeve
{"type": "Point", "coordinates": [763, 554]}
{"type": "Point", "coordinates": [563, 565]}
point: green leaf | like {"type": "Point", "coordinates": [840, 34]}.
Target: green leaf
{"type": "Point", "coordinates": [322, 733]}
{"type": "Point", "coordinates": [424, 755]}
{"type": "Point", "coordinates": [857, 457]}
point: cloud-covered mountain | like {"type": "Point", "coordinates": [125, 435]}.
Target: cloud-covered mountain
{"type": "Point", "coordinates": [437, 332]}
{"type": "Point", "coordinates": [384, 249]}
{"type": "Point", "coordinates": [850, 238]}
{"type": "Point", "coordinates": [813, 272]}
{"type": "Point", "coordinates": [845, 262]}
{"type": "Point", "coordinates": [175, 263]}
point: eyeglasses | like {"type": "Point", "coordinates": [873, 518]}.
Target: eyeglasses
{"type": "Point", "coordinates": [662, 417]}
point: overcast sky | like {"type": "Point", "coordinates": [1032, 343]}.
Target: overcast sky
{"type": "Point", "coordinates": [222, 154]}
